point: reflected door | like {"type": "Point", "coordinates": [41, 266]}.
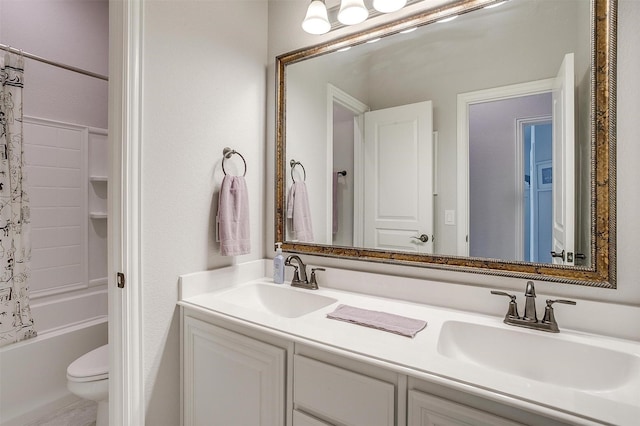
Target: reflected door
{"type": "Point", "coordinates": [398, 180]}
{"type": "Point", "coordinates": [564, 165]}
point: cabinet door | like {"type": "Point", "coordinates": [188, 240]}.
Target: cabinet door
{"type": "Point", "coordinates": [231, 379]}
{"type": "Point", "coordinates": [429, 410]}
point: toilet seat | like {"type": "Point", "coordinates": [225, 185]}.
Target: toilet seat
{"type": "Point", "coordinates": [91, 366]}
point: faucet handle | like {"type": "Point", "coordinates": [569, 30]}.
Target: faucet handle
{"type": "Point", "coordinates": [566, 302]}
{"type": "Point", "coordinates": [312, 281]}
{"type": "Point", "coordinates": [513, 306]}
{"type": "Point", "coordinates": [549, 318]}
{"type": "Point", "coordinates": [295, 278]}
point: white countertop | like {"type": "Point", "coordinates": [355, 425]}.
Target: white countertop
{"type": "Point", "coordinates": [419, 357]}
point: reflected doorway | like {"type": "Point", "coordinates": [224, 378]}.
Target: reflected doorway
{"type": "Point", "coordinates": [537, 139]}
{"type": "Point", "coordinates": [507, 214]}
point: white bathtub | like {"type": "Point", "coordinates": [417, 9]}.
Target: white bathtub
{"type": "Point", "coordinates": [33, 372]}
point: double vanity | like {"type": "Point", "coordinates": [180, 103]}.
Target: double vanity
{"type": "Point", "coordinates": [257, 353]}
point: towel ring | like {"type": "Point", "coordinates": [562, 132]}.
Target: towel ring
{"type": "Point", "coordinates": [293, 163]}
{"type": "Point", "coordinates": [227, 153]}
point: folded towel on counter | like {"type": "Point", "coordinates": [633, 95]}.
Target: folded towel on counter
{"type": "Point", "coordinates": [379, 320]}
{"type": "Point", "coordinates": [233, 217]}
{"type": "Point", "coordinates": [299, 212]}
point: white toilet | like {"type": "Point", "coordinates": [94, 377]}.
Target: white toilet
{"type": "Point", "coordinates": [88, 378]}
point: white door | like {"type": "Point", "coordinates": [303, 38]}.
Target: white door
{"type": "Point", "coordinates": [563, 164]}
{"type": "Point", "coordinates": [398, 179]}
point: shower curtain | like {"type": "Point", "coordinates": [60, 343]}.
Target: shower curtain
{"type": "Point", "coordinates": [16, 322]}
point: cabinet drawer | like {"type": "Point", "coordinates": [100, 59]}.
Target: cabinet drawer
{"type": "Point", "coordinates": [301, 419]}
{"type": "Point", "coordinates": [429, 410]}
{"type": "Point", "coordinates": [343, 396]}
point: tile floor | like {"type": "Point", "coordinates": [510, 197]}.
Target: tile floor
{"type": "Point", "coordinates": [80, 413]}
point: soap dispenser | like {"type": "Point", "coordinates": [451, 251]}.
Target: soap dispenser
{"type": "Point", "coordinates": [278, 265]}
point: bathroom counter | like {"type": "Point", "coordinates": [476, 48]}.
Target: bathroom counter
{"type": "Point", "coordinates": [422, 356]}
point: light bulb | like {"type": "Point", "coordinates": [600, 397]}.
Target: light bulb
{"type": "Point", "coordinates": [388, 6]}
{"type": "Point", "coordinates": [316, 21]}
{"type": "Point", "coordinates": [352, 12]}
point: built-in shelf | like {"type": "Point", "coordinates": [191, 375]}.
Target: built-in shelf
{"type": "Point", "coordinates": [98, 178]}
{"type": "Point", "coordinates": [97, 215]}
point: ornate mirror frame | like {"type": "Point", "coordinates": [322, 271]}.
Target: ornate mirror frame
{"type": "Point", "coordinates": [602, 271]}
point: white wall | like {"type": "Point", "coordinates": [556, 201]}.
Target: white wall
{"type": "Point", "coordinates": [73, 32]}
{"type": "Point", "coordinates": [286, 35]}
{"type": "Point", "coordinates": [204, 88]}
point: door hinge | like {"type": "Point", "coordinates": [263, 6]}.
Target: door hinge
{"type": "Point", "coordinates": [120, 280]}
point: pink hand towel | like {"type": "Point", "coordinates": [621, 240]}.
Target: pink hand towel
{"type": "Point", "coordinates": [233, 217]}
{"type": "Point", "coordinates": [298, 210]}
{"type": "Point", "coordinates": [379, 320]}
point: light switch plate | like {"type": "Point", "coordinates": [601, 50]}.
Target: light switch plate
{"type": "Point", "coordinates": [449, 217]}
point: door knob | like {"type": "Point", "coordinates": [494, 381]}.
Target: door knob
{"type": "Point", "coordinates": [560, 255]}
{"type": "Point", "coordinates": [424, 238]}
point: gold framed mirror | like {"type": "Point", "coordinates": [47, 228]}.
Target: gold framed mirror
{"type": "Point", "coordinates": [595, 186]}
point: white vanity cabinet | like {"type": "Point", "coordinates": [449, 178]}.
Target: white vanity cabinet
{"type": "Point", "coordinates": [229, 378]}
{"type": "Point", "coordinates": [235, 375]}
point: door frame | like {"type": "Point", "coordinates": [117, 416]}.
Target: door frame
{"type": "Point", "coordinates": [126, 336]}
{"type": "Point", "coordinates": [465, 100]}
{"type": "Point", "coordinates": [521, 123]}
{"type": "Point", "coordinates": [358, 108]}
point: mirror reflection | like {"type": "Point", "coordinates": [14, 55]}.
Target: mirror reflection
{"type": "Point", "coordinates": [466, 138]}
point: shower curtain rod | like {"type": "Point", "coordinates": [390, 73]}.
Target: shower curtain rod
{"type": "Point", "coordinates": [55, 64]}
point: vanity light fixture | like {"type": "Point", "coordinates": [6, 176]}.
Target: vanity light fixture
{"type": "Point", "coordinates": [388, 6]}
{"type": "Point", "coordinates": [317, 20]}
{"type": "Point", "coordinates": [320, 19]}
{"type": "Point", "coordinates": [352, 12]}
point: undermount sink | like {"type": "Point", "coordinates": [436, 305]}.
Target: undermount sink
{"type": "Point", "coordinates": [282, 301]}
{"type": "Point", "coordinates": [538, 356]}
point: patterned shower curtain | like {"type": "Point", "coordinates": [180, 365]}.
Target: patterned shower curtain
{"type": "Point", "coordinates": [16, 322]}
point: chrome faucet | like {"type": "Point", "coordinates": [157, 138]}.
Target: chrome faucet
{"type": "Point", "coordinates": [300, 274]}
{"type": "Point", "coordinates": [530, 317]}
